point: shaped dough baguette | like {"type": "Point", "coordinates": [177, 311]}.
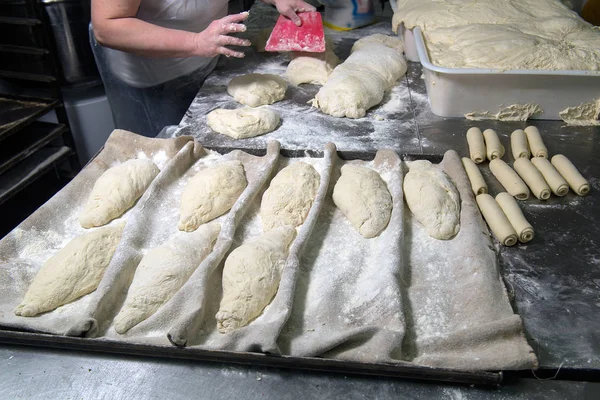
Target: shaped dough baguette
{"type": "Point", "coordinates": [72, 272]}
{"type": "Point", "coordinates": [477, 150]}
{"type": "Point", "coordinates": [117, 189]}
{"type": "Point", "coordinates": [494, 148]}
{"type": "Point", "coordinates": [519, 144]}
{"type": "Point", "coordinates": [251, 278]}
{"type": "Point", "coordinates": [509, 179]}
{"type": "Point", "coordinates": [497, 220]}
{"type": "Point", "coordinates": [162, 272]}
{"type": "Point", "coordinates": [477, 182]}
{"type": "Point", "coordinates": [566, 168]}
{"type": "Point", "coordinates": [536, 144]}
{"type": "Point", "coordinates": [515, 216]}
{"type": "Point", "coordinates": [553, 178]}
{"type": "Point", "coordinates": [533, 178]}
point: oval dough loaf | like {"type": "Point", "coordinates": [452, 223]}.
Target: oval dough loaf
{"type": "Point", "coordinates": [242, 123]}
{"type": "Point", "coordinates": [363, 197]}
{"type": "Point", "coordinates": [494, 148]}
{"type": "Point", "coordinates": [519, 144]}
{"type": "Point", "coordinates": [497, 220]}
{"type": "Point", "coordinates": [566, 168]}
{"type": "Point", "coordinates": [477, 150]}
{"type": "Point", "coordinates": [515, 216]}
{"type": "Point", "coordinates": [508, 178]}
{"type": "Point", "coordinates": [432, 199]}
{"type": "Point", "coordinates": [290, 196]}
{"type": "Point", "coordinates": [162, 272]}
{"type": "Point", "coordinates": [393, 42]}
{"type": "Point", "coordinates": [536, 144]}
{"type": "Point", "coordinates": [117, 189]}
{"type": "Point", "coordinates": [257, 89]}
{"type": "Point", "coordinates": [477, 182]}
{"type": "Point", "coordinates": [251, 278]}
{"type": "Point", "coordinates": [211, 193]}
{"type": "Point", "coordinates": [311, 68]}
{"type": "Point", "coordinates": [557, 183]}
{"type": "Point", "coordinates": [533, 178]}
{"type": "Point", "coordinates": [72, 272]}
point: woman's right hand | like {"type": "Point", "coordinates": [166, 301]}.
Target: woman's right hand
{"type": "Point", "coordinates": [213, 40]}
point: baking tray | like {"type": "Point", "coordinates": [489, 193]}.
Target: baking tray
{"type": "Point", "coordinates": [17, 112]}
{"type": "Point", "coordinates": [454, 92]}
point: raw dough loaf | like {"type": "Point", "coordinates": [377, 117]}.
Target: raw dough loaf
{"type": "Point", "coordinates": [557, 183]}
{"type": "Point", "coordinates": [533, 178]}
{"type": "Point", "coordinates": [363, 197]}
{"type": "Point", "coordinates": [211, 193]}
{"type": "Point", "coordinates": [497, 220]}
{"type": "Point", "coordinates": [477, 182]}
{"type": "Point", "coordinates": [536, 144]}
{"type": "Point", "coordinates": [251, 278]}
{"type": "Point", "coordinates": [289, 197]}
{"type": "Point", "coordinates": [72, 272]}
{"type": "Point", "coordinates": [515, 216]}
{"type": "Point", "coordinates": [519, 145]}
{"type": "Point", "coordinates": [433, 200]}
{"type": "Point", "coordinates": [392, 42]}
{"type": "Point", "coordinates": [117, 189]}
{"type": "Point", "coordinates": [257, 89]}
{"type": "Point", "coordinates": [311, 67]}
{"type": "Point", "coordinates": [509, 179]}
{"type": "Point", "coordinates": [566, 168]}
{"type": "Point", "coordinates": [359, 83]}
{"type": "Point", "coordinates": [494, 148]}
{"type": "Point", "coordinates": [477, 150]}
{"type": "Point", "coordinates": [162, 272]}
{"type": "Point", "coordinates": [242, 123]}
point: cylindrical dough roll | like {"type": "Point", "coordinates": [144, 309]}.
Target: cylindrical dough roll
{"type": "Point", "coordinates": [511, 181]}
{"type": "Point", "coordinates": [519, 145]}
{"type": "Point", "coordinates": [566, 168]}
{"type": "Point", "coordinates": [536, 144]}
{"type": "Point", "coordinates": [493, 146]}
{"type": "Point", "coordinates": [533, 178]}
{"type": "Point", "coordinates": [477, 182]}
{"type": "Point", "coordinates": [497, 220]}
{"type": "Point", "coordinates": [515, 216]}
{"type": "Point", "coordinates": [476, 145]}
{"type": "Point", "coordinates": [557, 183]}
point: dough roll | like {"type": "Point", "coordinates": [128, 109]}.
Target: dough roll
{"type": "Point", "coordinates": [557, 183]}
{"type": "Point", "coordinates": [476, 145]}
{"type": "Point", "coordinates": [515, 216]}
{"type": "Point", "coordinates": [536, 144]}
{"type": "Point", "coordinates": [566, 168]}
{"type": "Point", "coordinates": [533, 178]}
{"type": "Point", "coordinates": [497, 220]}
{"type": "Point", "coordinates": [511, 181]}
{"type": "Point", "coordinates": [477, 182]}
{"type": "Point", "coordinates": [494, 148]}
{"type": "Point", "coordinates": [519, 145]}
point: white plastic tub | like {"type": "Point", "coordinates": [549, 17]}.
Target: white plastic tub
{"type": "Point", "coordinates": [454, 92]}
{"type": "Point", "coordinates": [410, 48]}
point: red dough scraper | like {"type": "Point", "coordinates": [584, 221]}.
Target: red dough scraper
{"type": "Point", "coordinates": [308, 37]}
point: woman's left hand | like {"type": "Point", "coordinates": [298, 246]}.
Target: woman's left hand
{"type": "Point", "coordinates": [289, 8]}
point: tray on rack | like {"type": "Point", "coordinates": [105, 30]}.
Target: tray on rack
{"type": "Point", "coordinates": [19, 111]}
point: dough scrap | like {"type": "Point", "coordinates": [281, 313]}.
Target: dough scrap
{"type": "Point", "coordinates": [116, 190]}
{"type": "Point", "coordinates": [211, 193]}
{"type": "Point", "coordinates": [533, 178]}
{"type": "Point", "coordinates": [509, 179]}
{"type": "Point", "coordinates": [251, 277]}
{"type": "Point", "coordinates": [519, 144]}
{"type": "Point", "coordinates": [290, 196]}
{"type": "Point", "coordinates": [244, 122]}
{"type": "Point", "coordinates": [476, 143]}
{"type": "Point", "coordinates": [162, 272]}
{"type": "Point", "coordinates": [477, 182]}
{"type": "Point", "coordinates": [433, 200]}
{"type": "Point", "coordinates": [566, 168]}
{"type": "Point", "coordinates": [257, 89]}
{"type": "Point", "coordinates": [536, 144]}
{"type": "Point", "coordinates": [494, 149]}
{"type": "Point", "coordinates": [553, 178]}
{"type": "Point", "coordinates": [72, 272]}
{"type": "Point", "coordinates": [497, 220]}
{"type": "Point", "coordinates": [515, 216]}
{"type": "Point", "coordinates": [363, 197]}
{"type": "Point", "coordinates": [312, 68]}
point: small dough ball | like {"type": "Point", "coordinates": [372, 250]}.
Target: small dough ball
{"type": "Point", "coordinates": [257, 89]}
{"type": "Point", "coordinates": [393, 42]}
{"type": "Point", "coordinates": [311, 67]}
{"type": "Point", "coordinates": [242, 123]}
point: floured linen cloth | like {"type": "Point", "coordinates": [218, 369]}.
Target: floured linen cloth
{"type": "Point", "coordinates": [401, 297]}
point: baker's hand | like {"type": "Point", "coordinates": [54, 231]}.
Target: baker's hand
{"type": "Point", "coordinates": [289, 8]}
{"type": "Point", "coordinates": [213, 40]}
